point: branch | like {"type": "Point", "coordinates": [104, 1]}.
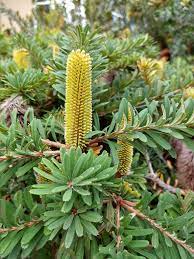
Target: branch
{"type": "Point", "coordinates": [49, 152]}
{"type": "Point", "coordinates": [90, 144]}
{"type": "Point", "coordinates": [118, 224]}
{"type": "Point", "coordinates": [154, 178]}
{"type": "Point", "coordinates": [54, 144]}
{"type": "Point", "coordinates": [33, 154]}
{"type": "Point", "coordinates": [25, 225]}
{"type": "Point", "coordinates": [105, 137]}
{"type": "Point", "coordinates": [140, 215]}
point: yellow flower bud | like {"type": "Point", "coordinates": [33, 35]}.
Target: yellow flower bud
{"type": "Point", "coordinates": [21, 58]}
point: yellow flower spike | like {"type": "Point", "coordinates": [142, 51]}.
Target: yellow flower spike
{"type": "Point", "coordinates": [150, 68]}
{"type": "Point", "coordinates": [125, 150]}
{"type": "Point", "coordinates": [21, 58]}
{"type": "Point", "coordinates": [78, 106]}
{"type": "Point", "coordinates": [189, 92]}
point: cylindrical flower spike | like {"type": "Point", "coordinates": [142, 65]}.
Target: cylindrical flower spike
{"type": "Point", "coordinates": [78, 106]}
{"type": "Point", "coordinates": [125, 150]}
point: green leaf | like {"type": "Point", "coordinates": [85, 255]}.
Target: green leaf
{"type": "Point", "coordinates": [65, 163]}
{"type": "Point", "coordinates": [176, 134]}
{"type": "Point", "coordinates": [143, 116]}
{"type": "Point", "coordinates": [60, 189]}
{"type": "Point", "coordinates": [25, 168]}
{"type": "Point", "coordinates": [81, 191]}
{"type": "Point", "coordinates": [57, 223]}
{"type": "Point", "coordinates": [28, 199]}
{"type": "Point", "coordinates": [4, 178]}
{"type": "Point", "coordinates": [15, 252]}
{"type": "Point", "coordinates": [96, 121]}
{"type": "Point", "coordinates": [68, 222]}
{"type": "Point", "coordinates": [89, 227]}
{"type": "Point", "coordinates": [94, 133]}
{"type": "Point", "coordinates": [67, 206]}
{"type": "Point", "coordinates": [40, 191]}
{"type": "Point", "coordinates": [145, 253]}
{"type": "Point", "coordinates": [4, 244]}
{"type": "Point", "coordinates": [168, 241]}
{"type": "Point", "coordinates": [4, 165]}
{"type": "Point", "coordinates": [80, 249]}
{"type": "Point", "coordinates": [123, 109]}
{"type": "Point", "coordinates": [78, 165]}
{"type": "Point", "coordinates": [13, 242]}
{"type": "Point", "coordinates": [53, 213]}
{"type": "Point", "coordinates": [78, 226]}
{"type": "Point", "coordinates": [27, 249]}
{"type": "Point", "coordinates": [54, 233]}
{"type": "Point", "coordinates": [42, 242]}
{"type": "Point", "coordinates": [182, 252]}
{"type": "Point", "coordinates": [155, 239]}
{"type": "Point", "coordinates": [138, 243]}
{"type": "Point", "coordinates": [67, 195]}
{"type": "Point", "coordinates": [86, 174]}
{"type": "Point", "coordinates": [159, 140]}
{"type": "Point", "coordinates": [91, 216]}
{"type": "Point", "coordinates": [140, 136]}
{"type": "Point", "coordinates": [48, 176]}
{"type": "Point", "coordinates": [113, 150]}
{"type": "Point", "coordinates": [111, 126]}
{"type": "Point", "coordinates": [70, 235]}
{"type": "Point", "coordinates": [30, 233]}
{"type": "Point", "coordinates": [139, 232]}
{"type": "Point", "coordinates": [55, 171]}
{"type": "Point", "coordinates": [87, 199]}
{"type": "Point", "coordinates": [106, 174]}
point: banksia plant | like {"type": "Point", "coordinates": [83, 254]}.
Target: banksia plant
{"type": "Point", "coordinates": [78, 106]}
{"type": "Point", "coordinates": [125, 150]}
{"type": "Point", "coordinates": [21, 58]}
{"type": "Point", "coordinates": [69, 192]}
